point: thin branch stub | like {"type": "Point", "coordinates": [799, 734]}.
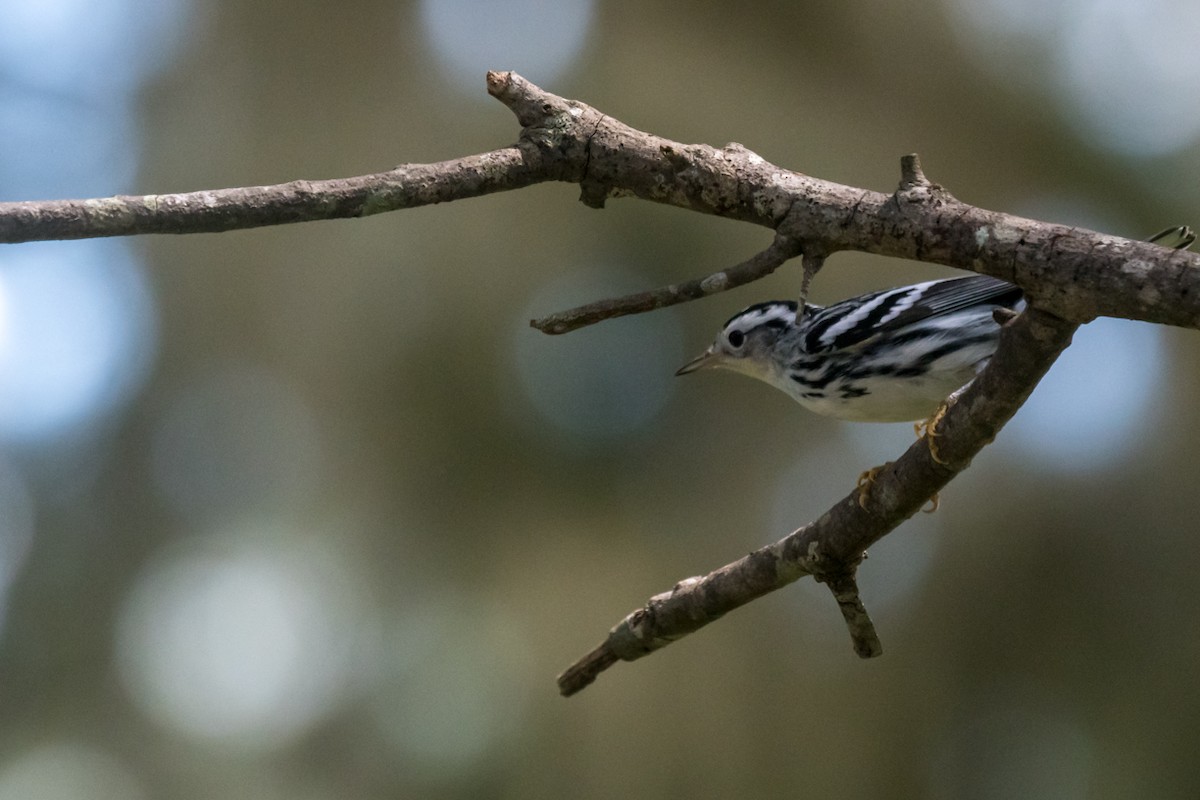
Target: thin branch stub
{"type": "Point", "coordinates": [911, 174]}
{"type": "Point", "coordinates": [757, 266]}
{"type": "Point", "coordinates": [862, 630]}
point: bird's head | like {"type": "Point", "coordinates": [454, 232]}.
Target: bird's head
{"type": "Point", "coordinates": [746, 343]}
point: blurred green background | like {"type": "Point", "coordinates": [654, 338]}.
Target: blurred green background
{"type": "Point", "coordinates": [311, 512]}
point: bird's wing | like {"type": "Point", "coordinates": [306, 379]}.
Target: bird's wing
{"type": "Point", "coordinates": [863, 319]}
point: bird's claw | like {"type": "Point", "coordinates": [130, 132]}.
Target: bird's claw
{"type": "Point", "coordinates": [866, 481]}
{"type": "Point", "coordinates": [927, 430]}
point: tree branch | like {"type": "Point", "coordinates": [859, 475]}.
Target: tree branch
{"type": "Point", "coordinates": [1070, 275]}
{"type": "Point", "coordinates": [1075, 273]}
{"type": "Point", "coordinates": [217, 210]}
{"type": "Point", "coordinates": [831, 547]}
{"type": "Point", "coordinates": [862, 631]}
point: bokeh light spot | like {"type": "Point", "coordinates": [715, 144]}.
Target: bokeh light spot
{"type": "Point", "coordinates": [248, 638]}
{"type": "Point", "coordinates": [1089, 410]}
{"type": "Point", "coordinates": [77, 335]}
{"type": "Point", "coordinates": [56, 146]}
{"type": "Point", "coordinates": [603, 381]}
{"type": "Point", "coordinates": [539, 40]}
{"type": "Point", "coordinates": [1123, 72]}
{"type": "Point", "coordinates": [90, 46]}
{"type": "Point", "coordinates": [1129, 70]}
{"type": "Point", "coordinates": [67, 771]}
{"type": "Point", "coordinates": [454, 693]}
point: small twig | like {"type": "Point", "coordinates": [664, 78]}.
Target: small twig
{"type": "Point", "coordinates": [586, 669]}
{"type": "Point", "coordinates": [911, 174]}
{"type": "Point", "coordinates": [1176, 237]}
{"type": "Point", "coordinates": [915, 187]}
{"type": "Point", "coordinates": [858, 621]}
{"type": "Point", "coordinates": [753, 268]}
{"type": "Point", "coordinates": [811, 264]}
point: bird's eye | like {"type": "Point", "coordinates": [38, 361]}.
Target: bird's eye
{"type": "Point", "coordinates": [736, 339]}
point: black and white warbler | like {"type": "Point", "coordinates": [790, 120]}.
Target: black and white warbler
{"type": "Point", "coordinates": [887, 356]}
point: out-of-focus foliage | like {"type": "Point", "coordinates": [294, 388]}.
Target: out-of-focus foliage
{"type": "Point", "coordinates": [311, 512]}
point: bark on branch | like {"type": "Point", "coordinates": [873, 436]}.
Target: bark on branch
{"type": "Point", "coordinates": [1070, 276]}
{"type": "Point", "coordinates": [1076, 273]}
{"type": "Point", "coordinates": [217, 210]}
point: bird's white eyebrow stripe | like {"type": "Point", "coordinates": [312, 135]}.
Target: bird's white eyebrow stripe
{"type": "Point", "coordinates": [761, 315]}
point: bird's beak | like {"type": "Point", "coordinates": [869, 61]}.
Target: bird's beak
{"type": "Point", "coordinates": [706, 359]}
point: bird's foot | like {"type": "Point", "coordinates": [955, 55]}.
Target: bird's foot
{"type": "Point", "coordinates": [927, 430]}
{"type": "Point", "coordinates": [866, 481]}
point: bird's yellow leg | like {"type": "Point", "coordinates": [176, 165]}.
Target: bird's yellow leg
{"type": "Point", "coordinates": [927, 430]}
{"type": "Point", "coordinates": [866, 481]}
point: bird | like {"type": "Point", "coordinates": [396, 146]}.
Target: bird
{"type": "Point", "coordinates": [887, 356]}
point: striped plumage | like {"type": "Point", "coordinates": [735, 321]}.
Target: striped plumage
{"type": "Point", "coordinates": [887, 356]}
